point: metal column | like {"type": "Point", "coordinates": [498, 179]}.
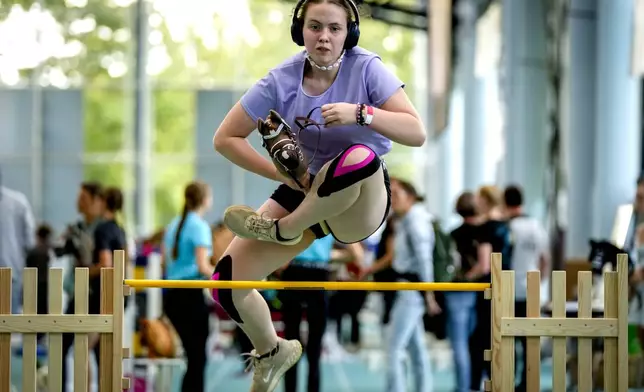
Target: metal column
{"type": "Point", "coordinates": [144, 195]}
{"type": "Point", "coordinates": [617, 155]}
{"type": "Point", "coordinates": [475, 159]}
{"type": "Point", "coordinates": [580, 145]}
{"type": "Point", "coordinates": [524, 94]}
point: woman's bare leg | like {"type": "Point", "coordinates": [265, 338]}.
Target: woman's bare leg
{"type": "Point", "coordinates": [366, 215]}
{"type": "Point", "coordinates": [255, 260]}
{"type": "Point", "coordinates": [316, 208]}
{"type": "Point", "coordinates": [336, 189]}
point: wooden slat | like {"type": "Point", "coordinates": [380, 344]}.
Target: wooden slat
{"type": "Point", "coordinates": [55, 349]}
{"type": "Point", "coordinates": [117, 303]}
{"type": "Point", "coordinates": [622, 320]}
{"type": "Point", "coordinates": [106, 339]}
{"type": "Point", "coordinates": [584, 348]}
{"type": "Point", "coordinates": [507, 342]}
{"type": "Point", "coordinates": [559, 343]}
{"type": "Point", "coordinates": [81, 340]}
{"type": "Point", "coordinates": [49, 323]}
{"type": "Point", "coordinates": [5, 338]}
{"type": "Point", "coordinates": [610, 344]}
{"type": "Point", "coordinates": [29, 306]}
{"type": "Point", "coordinates": [533, 344]}
{"type": "Point", "coordinates": [497, 293]}
{"type": "Point", "coordinates": [558, 327]}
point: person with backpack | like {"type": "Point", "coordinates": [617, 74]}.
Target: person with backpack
{"type": "Point", "coordinates": [412, 261]}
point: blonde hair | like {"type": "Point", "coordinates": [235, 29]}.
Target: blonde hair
{"type": "Point", "coordinates": [492, 195]}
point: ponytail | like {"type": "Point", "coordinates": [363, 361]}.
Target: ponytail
{"type": "Point", "coordinates": [175, 248]}
{"type": "Point", "coordinates": [194, 196]}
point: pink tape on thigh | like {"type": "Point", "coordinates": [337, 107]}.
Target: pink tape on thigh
{"type": "Point", "coordinates": [341, 169]}
{"type": "Point", "coordinates": [215, 292]}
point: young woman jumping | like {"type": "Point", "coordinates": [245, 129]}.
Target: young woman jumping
{"type": "Point", "coordinates": [348, 109]}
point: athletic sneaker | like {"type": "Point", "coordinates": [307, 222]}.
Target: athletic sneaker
{"type": "Point", "coordinates": [279, 141]}
{"type": "Point", "coordinates": [269, 368]}
{"type": "Point", "coordinates": [244, 222]}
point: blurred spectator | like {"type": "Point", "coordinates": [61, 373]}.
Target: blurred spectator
{"type": "Point", "coordinates": [16, 238]}
{"type": "Point", "coordinates": [530, 252]}
{"type": "Point", "coordinates": [637, 222]}
{"type": "Point", "coordinates": [78, 239]}
{"type": "Point", "coordinates": [187, 247]}
{"type": "Point", "coordinates": [312, 265]}
{"type": "Point", "coordinates": [414, 244]}
{"type": "Point", "coordinates": [493, 236]}
{"type": "Point", "coordinates": [108, 236]}
{"type": "Point", "coordinates": [381, 268]}
{"type": "Point", "coordinates": [461, 305]}
{"type": "Point", "coordinates": [40, 257]}
{"type": "Point", "coordinates": [78, 242]}
{"type": "Point", "coordinates": [635, 337]}
{"type": "Point", "coordinates": [347, 302]}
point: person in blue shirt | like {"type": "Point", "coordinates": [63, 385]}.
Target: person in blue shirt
{"type": "Point", "coordinates": [312, 265]}
{"type": "Point", "coordinates": [187, 245]}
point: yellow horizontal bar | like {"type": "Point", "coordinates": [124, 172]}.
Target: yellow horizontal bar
{"type": "Point", "coordinates": [279, 285]}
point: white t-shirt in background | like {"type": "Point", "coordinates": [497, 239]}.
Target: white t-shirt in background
{"type": "Point", "coordinates": [529, 242]}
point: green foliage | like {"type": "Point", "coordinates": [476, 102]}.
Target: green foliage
{"type": "Point", "coordinates": [168, 195]}
{"type": "Point", "coordinates": [174, 121]}
{"type": "Point", "coordinates": [174, 124]}
{"type": "Point", "coordinates": [104, 120]}
{"type": "Point", "coordinates": [109, 174]}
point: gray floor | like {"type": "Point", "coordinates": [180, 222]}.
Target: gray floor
{"type": "Point", "coordinates": [360, 374]}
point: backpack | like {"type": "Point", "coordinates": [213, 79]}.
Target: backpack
{"type": "Point", "coordinates": [445, 256]}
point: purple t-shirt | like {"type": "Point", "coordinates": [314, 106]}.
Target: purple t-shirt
{"type": "Point", "coordinates": [362, 78]}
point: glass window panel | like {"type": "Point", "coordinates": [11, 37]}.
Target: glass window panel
{"type": "Point", "coordinates": [170, 178]}
{"type": "Point", "coordinates": [108, 174]}
{"type": "Point", "coordinates": [105, 114]}
{"type": "Point", "coordinates": [174, 120]}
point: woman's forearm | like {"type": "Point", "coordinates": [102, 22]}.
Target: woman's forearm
{"type": "Point", "coordinates": [206, 270]}
{"type": "Point", "coordinates": [382, 263]}
{"type": "Point", "coordinates": [239, 151]}
{"type": "Point", "coordinates": [399, 127]}
{"type": "Point", "coordinates": [482, 266]}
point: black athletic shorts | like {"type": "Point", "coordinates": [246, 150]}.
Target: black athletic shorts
{"type": "Point", "coordinates": [290, 199]}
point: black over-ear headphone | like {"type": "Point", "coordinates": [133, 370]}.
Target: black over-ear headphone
{"type": "Point", "coordinates": [353, 33]}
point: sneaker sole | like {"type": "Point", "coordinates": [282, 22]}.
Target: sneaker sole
{"type": "Point", "coordinates": [231, 208]}
{"type": "Point", "coordinates": [292, 242]}
{"type": "Point", "coordinates": [284, 368]}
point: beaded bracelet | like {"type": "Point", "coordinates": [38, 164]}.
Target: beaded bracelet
{"type": "Point", "coordinates": [364, 114]}
{"type": "Point", "coordinates": [359, 117]}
